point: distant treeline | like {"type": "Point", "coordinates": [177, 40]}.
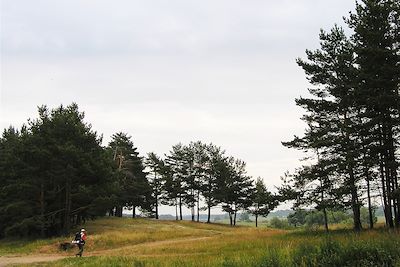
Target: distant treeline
{"type": "Point", "coordinates": [55, 174]}
{"type": "Point", "coordinates": [353, 117]}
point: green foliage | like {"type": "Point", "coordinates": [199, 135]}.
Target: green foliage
{"type": "Point", "coordinates": [352, 115]}
{"type": "Point", "coordinates": [52, 171]}
{"type": "Point", "coordinates": [365, 216]}
{"type": "Point", "coordinates": [297, 218]}
{"type": "Point", "coordinates": [315, 218]}
{"type": "Point", "coordinates": [278, 223]}
{"type": "Point", "coordinates": [131, 186]}
{"type": "Point", "coordinates": [244, 217]}
{"type": "Point", "coordinates": [263, 201]}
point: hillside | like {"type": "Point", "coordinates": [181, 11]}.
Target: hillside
{"type": "Point", "coordinates": [144, 242]}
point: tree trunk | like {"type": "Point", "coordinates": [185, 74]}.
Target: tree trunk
{"type": "Point", "coordinates": [180, 208]}
{"type": "Point", "coordinates": [67, 205]}
{"type": "Point", "coordinates": [156, 192]}
{"type": "Point", "coordinates": [118, 211]}
{"type": "Point", "coordinates": [42, 218]}
{"type": "Point", "coordinates": [392, 164]}
{"type": "Point", "coordinates": [384, 194]}
{"type": "Point", "coordinates": [198, 206]}
{"type": "Point", "coordinates": [234, 218]}
{"type": "Point", "coordinates": [389, 195]}
{"type": "Point", "coordinates": [370, 213]}
{"type": "Point", "coordinates": [354, 201]}
{"type": "Point", "coordinates": [192, 204]}
{"type": "Point", "coordinates": [323, 204]}
{"type": "Point", "coordinates": [156, 206]}
{"type": "Point", "coordinates": [176, 209]}
{"type": "Point", "coordinates": [208, 214]}
{"type": "Point", "coordinates": [386, 179]}
{"type": "Point", "coordinates": [325, 219]}
{"type": "Point", "coordinates": [133, 211]}
{"type": "Point", "coordinates": [256, 220]}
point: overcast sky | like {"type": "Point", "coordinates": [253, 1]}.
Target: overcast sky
{"type": "Point", "coordinates": [168, 71]}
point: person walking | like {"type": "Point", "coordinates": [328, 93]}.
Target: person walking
{"type": "Point", "coordinates": [81, 242]}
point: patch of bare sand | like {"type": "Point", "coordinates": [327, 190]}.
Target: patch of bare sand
{"type": "Point", "coordinates": [11, 260]}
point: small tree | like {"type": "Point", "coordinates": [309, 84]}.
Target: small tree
{"type": "Point", "coordinates": [297, 218]}
{"type": "Point", "coordinates": [263, 201]}
{"type": "Point", "coordinates": [156, 165]}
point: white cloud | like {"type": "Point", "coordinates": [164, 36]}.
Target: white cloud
{"type": "Point", "coordinates": [168, 71]}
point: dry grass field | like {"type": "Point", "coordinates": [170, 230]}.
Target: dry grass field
{"type": "Point", "coordinates": [147, 242]}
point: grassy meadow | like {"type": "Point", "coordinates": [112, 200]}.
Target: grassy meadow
{"type": "Point", "coordinates": [146, 242]}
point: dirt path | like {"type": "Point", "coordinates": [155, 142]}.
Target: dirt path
{"type": "Point", "coordinates": [26, 259]}
{"type": "Point", "coordinates": [10, 260]}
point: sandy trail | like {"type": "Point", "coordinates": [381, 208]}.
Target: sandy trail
{"type": "Point", "coordinates": [26, 259]}
{"type": "Point", "coordinates": [11, 260]}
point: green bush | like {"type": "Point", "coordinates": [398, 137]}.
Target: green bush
{"type": "Point", "coordinates": [275, 222]}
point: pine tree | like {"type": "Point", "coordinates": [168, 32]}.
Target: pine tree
{"type": "Point", "coordinates": [263, 201]}
{"type": "Point", "coordinates": [133, 187]}
{"type": "Point", "coordinates": [376, 25]}
{"type": "Point", "coordinates": [156, 165]}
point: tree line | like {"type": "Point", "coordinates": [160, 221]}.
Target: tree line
{"type": "Point", "coordinates": [55, 174]}
{"type": "Point", "coordinates": [197, 171]}
{"type": "Point", "coordinates": [352, 117]}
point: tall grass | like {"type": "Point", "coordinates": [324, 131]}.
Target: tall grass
{"type": "Point", "coordinates": [140, 242]}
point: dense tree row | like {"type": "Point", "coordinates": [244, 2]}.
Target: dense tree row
{"type": "Point", "coordinates": [352, 117]}
{"type": "Point", "coordinates": [55, 173]}
{"type": "Point", "coordinates": [199, 173]}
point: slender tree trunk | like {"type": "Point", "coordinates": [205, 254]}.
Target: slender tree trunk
{"type": "Point", "coordinates": [355, 205]}
{"type": "Point", "coordinates": [256, 220]}
{"type": "Point", "coordinates": [234, 218]}
{"type": "Point", "coordinates": [393, 175]}
{"type": "Point", "coordinates": [67, 206]}
{"type": "Point", "coordinates": [208, 214]}
{"type": "Point", "coordinates": [180, 208]}
{"type": "Point", "coordinates": [368, 179]}
{"type": "Point", "coordinates": [323, 204]}
{"type": "Point", "coordinates": [384, 194]}
{"type": "Point", "coordinates": [192, 204]}
{"type": "Point", "coordinates": [389, 195]}
{"type": "Point", "coordinates": [118, 211]}
{"type": "Point", "coordinates": [386, 179]}
{"type": "Point", "coordinates": [176, 209]}
{"type": "Point", "coordinates": [156, 192]}
{"type": "Point", "coordinates": [198, 206]}
{"type": "Point", "coordinates": [354, 201]}
{"type": "Point", "coordinates": [157, 205]}
{"type": "Point", "coordinates": [370, 213]}
{"type": "Point", "coordinates": [42, 218]}
{"type": "Point", "coordinates": [230, 218]}
{"type": "Point", "coordinates": [325, 219]}
{"type": "Point", "coordinates": [133, 211]}
{"type": "Point", "coordinates": [321, 181]}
